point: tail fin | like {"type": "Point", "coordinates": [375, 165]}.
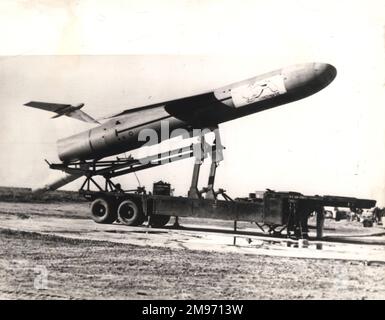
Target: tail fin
{"type": "Point", "coordinates": [63, 110]}
{"type": "Point", "coordinates": [82, 116]}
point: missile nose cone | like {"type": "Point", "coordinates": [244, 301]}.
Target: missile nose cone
{"type": "Point", "coordinates": [325, 73]}
{"type": "Point", "coordinates": [306, 79]}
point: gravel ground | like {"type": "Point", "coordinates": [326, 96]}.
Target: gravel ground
{"type": "Point", "coordinates": [83, 269]}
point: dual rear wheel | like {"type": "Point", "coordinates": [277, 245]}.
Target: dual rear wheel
{"type": "Point", "coordinates": [128, 212]}
{"type": "Point", "coordinates": [103, 211]}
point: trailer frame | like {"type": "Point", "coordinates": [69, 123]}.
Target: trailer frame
{"type": "Point", "coordinates": [278, 211]}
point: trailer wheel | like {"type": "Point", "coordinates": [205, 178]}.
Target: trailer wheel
{"type": "Point", "coordinates": [103, 211]}
{"type": "Point", "coordinates": [130, 214]}
{"type": "Point", "coordinates": [158, 221]}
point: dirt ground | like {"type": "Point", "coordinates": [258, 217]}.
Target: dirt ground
{"type": "Point", "coordinates": [53, 251]}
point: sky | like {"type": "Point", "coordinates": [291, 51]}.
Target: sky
{"type": "Point", "coordinates": [116, 55]}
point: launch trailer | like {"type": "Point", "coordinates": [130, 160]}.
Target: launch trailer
{"type": "Point", "coordinates": [274, 213]}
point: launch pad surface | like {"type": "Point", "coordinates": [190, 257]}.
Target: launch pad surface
{"type": "Point", "coordinates": [199, 260]}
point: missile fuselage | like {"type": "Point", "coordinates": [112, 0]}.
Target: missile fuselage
{"type": "Point", "coordinates": [120, 134]}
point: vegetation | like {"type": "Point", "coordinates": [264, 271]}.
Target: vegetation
{"type": "Point", "coordinates": [10, 194]}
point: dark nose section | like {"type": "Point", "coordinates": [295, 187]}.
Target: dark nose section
{"type": "Point", "coordinates": [325, 73]}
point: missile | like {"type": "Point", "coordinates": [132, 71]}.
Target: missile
{"type": "Point", "coordinates": [121, 132]}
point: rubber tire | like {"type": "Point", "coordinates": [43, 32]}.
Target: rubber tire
{"type": "Point", "coordinates": [103, 211]}
{"type": "Point", "coordinates": [158, 221]}
{"type": "Point", "coordinates": [367, 224]}
{"type": "Point", "coordinates": [134, 217]}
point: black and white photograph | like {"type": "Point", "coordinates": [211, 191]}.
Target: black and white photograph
{"type": "Point", "coordinates": [213, 151]}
